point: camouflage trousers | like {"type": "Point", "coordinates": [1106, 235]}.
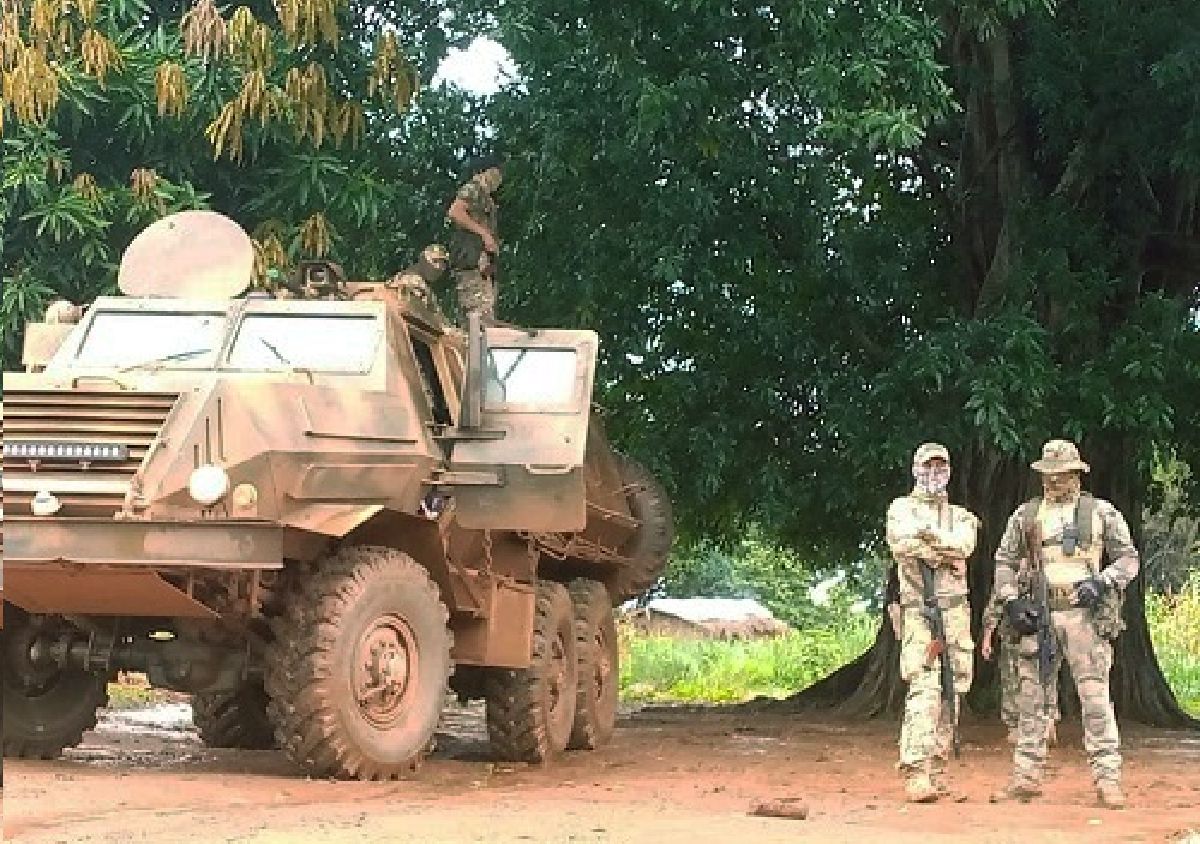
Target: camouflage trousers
{"type": "Point", "coordinates": [1010, 685]}
{"type": "Point", "coordinates": [1090, 657]}
{"type": "Point", "coordinates": [475, 293]}
{"type": "Point", "coordinates": [927, 730]}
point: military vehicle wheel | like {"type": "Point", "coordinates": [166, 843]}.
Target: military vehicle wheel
{"type": "Point", "coordinates": [649, 548]}
{"type": "Point", "coordinates": [357, 672]}
{"type": "Point", "coordinates": [235, 719]}
{"type": "Point", "coordinates": [599, 665]}
{"type": "Point", "coordinates": [530, 712]}
{"type": "Point", "coordinates": [45, 709]}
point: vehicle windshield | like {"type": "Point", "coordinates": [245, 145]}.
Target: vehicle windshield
{"type": "Point", "coordinates": [321, 343]}
{"type": "Point", "coordinates": [152, 339]}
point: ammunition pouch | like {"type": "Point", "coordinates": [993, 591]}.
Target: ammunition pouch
{"type": "Point", "coordinates": [1107, 614]}
{"type": "Point", "coordinates": [1059, 598]}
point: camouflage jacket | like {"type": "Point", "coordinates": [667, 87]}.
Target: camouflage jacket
{"type": "Point", "coordinates": [466, 246]}
{"type": "Point", "coordinates": [924, 530]}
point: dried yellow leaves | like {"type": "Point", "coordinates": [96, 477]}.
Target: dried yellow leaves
{"type": "Point", "coordinates": [250, 40]}
{"type": "Point", "coordinates": [391, 73]}
{"type": "Point", "coordinates": [142, 182]}
{"type": "Point", "coordinates": [85, 185]}
{"type": "Point", "coordinates": [269, 254]}
{"type": "Point", "coordinates": [204, 31]}
{"type": "Point", "coordinates": [316, 236]}
{"type": "Point", "coordinates": [170, 89]}
{"type": "Point", "coordinates": [31, 86]}
{"type": "Point", "coordinates": [99, 54]}
{"type": "Point", "coordinates": [309, 21]}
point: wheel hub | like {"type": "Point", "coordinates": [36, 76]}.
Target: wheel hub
{"type": "Point", "coordinates": [385, 669]}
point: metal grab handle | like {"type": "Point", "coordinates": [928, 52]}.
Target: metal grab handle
{"type": "Point", "coordinates": [564, 469]}
{"type": "Point", "coordinates": [108, 378]}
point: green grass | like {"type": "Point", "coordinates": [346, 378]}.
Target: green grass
{"type": "Point", "coordinates": [664, 668]}
{"type": "Point", "coordinates": [1175, 628]}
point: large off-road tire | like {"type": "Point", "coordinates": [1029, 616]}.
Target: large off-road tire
{"type": "Point", "coordinates": [235, 719]}
{"type": "Point", "coordinates": [649, 549]}
{"type": "Point", "coordinates": [599, 665]}
{"type": "Point", "coordinates": [357, 672]}
{"type": "Point", "coordinates": [48, 710]}
{"type": "Point", "coordinates": [530, 712]}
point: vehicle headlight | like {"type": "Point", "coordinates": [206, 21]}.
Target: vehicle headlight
{"type": "Point", "coordinates": [208, 484]}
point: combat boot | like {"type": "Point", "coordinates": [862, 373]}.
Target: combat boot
{"type": "Point", "coordinates": [941, 782]}
{"type": "Point", "coordinates": [1019, 789]}
{"type": "Point", "coordinates": [919, 788]}
{"type": "Point", "coordinates": [1110, 795]}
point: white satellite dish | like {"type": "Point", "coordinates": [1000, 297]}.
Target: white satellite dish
{"type": "Point", "coordinates": [188, 255]}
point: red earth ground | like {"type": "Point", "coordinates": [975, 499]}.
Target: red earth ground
{"type": "Point", "coordinates": [669, 776]}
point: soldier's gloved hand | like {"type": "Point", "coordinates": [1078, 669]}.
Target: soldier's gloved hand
{"type": "Point", "coordinates": [1024, 615]}
{"type": "Point", "coordinates": [1088, 592]}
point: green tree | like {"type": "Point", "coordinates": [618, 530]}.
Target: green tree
{"type": "Point", "coordinates": [816, 235]}
{"type": "Point", "coordinates": [295, 118]}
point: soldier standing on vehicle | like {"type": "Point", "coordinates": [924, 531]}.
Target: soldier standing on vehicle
{"type": "Point", "coordinates": [930, 540]}
{"type": "Point", "coordinates": [1074, 611]}
{"type": "Point", "coordinates": [998, 640]}
{"type": "Point", "coordinates": [474, 243]}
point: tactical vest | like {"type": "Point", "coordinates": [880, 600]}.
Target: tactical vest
{"type": "Point", "coordinates": [1064, 570]}
{"type": "Point", "coordinates": [1070, 551]}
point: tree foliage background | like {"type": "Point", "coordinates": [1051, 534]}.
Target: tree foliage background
{"type": "Point", "coordinates": [812, 235]}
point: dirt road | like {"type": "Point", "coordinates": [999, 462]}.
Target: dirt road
{"type": "Point", "coordinates": [669, 777]}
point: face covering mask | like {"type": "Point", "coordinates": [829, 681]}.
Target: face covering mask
{"type": "Point", "coordinates": [1060, 487]}
{"type": "Point", "coordinates": [931, 480]}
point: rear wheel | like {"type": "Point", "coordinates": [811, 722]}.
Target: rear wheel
{"type": "Point", "coordinates": [46, 709]}
{"type": "Point", "coordinates": [235, 719]}
{"type": "Point", "coordinates": [357, 672]}
{"type": "Point", "coordinates": [599, 665]}
{"type": "Point", "coordinates": [531, 711]}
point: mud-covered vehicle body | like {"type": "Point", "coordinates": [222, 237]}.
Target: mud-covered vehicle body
{"type": "Point", "coordinates": [313, 515]}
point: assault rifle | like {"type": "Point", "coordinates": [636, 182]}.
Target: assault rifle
{"type": "Point", "coordinates": [1039, 593]}
{"type": "Point", "coordinates": [939, 648]}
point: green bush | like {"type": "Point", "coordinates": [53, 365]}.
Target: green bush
{"type": "Point", "coordinates": [665, 668]}
{"type": "Point", "coordinates": [1175, 628]}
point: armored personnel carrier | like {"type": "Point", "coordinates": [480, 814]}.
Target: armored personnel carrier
{"type": "Point", "coordinates": [313, 514]}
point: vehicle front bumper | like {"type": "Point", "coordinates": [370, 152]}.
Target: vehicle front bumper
{"type": "Point", "coordinates": [209, 544]}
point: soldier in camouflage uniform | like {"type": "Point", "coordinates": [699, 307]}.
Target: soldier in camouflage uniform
{"type": "Point", "coordinates": [998, 640]}
{"type": "Point", "coordinates": [924, 529]}
{"type": "Point", "coordinates": [473, 241]}
{"type": "Point", "coordinates": [1084, 600]}
{"type": "Point", "coordinates": [419, 279]}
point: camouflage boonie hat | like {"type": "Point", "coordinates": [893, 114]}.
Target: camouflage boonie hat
{"type": "Point", "coordinates": [928, 451]}
{"type": "Point", "coordinates": [436, 252]}
{"type": "Point", "coordinates": [1059, 456]}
